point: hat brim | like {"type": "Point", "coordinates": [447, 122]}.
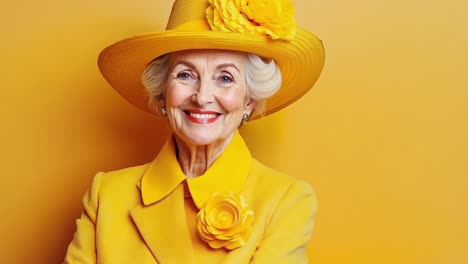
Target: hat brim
{"type": "Point", "coordinates": [300, 60]}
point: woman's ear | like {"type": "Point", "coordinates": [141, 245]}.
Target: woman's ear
{"type": "Point", "coordinates": [160, 103]}
{"type": "Point", "coordinates": [249, 105]}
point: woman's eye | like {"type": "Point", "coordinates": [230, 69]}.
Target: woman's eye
{"type": "Point", "coordinates": [226, 79]}
{"type": "Point", "coordinates": [183, 75]}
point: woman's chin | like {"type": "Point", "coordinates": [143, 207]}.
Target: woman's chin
{"type": "Point", "coordinates": [202, 137]}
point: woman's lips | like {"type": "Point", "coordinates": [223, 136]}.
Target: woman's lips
{"type": "Point", "coordinates": [201, 117]}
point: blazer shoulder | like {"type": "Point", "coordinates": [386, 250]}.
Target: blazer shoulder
{"type": "Point", "coordinates": [127, 172]}
{"type": "Point", "coordinates": [122, 178]}
{"type": "Point", "coordinates": [274, 178]}
{"type": "Point", "coordinates": [275, 186]}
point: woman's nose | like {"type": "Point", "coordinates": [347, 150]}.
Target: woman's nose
{"type": "Point", "coordinates": [205, 93]}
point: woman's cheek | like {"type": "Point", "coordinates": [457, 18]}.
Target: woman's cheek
{"type": "Point", "coordinates": [232, 102]}
{"type": "Point", "coordinates": [176, 95]}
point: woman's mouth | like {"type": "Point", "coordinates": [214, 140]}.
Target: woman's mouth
{"type": "Point", "coordinates": [201, 117]}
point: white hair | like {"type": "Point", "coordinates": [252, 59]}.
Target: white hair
{"type": "Point", "coordinates": [154, 79]}
{"type": "Point", "coordinates": [263, 79]}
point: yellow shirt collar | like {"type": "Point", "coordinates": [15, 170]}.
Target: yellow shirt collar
{"type": "Point", "coordinates": [226, 174]}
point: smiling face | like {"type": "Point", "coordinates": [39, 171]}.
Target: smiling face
{"type": "Point", "coordinates": [206, 94]}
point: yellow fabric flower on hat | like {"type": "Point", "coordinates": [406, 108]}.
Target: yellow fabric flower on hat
{"type": "Point", "coordinates": [262, 17]}
{"type": "Point", "coordinates": [225, 221]}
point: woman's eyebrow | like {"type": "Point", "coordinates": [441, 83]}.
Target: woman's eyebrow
{"type": "Point", "coordinates": [184, 63]}
{"type": "Point", "coordinates": [227, 65]}
{"type": "Point", "coordinates": [220, 66]}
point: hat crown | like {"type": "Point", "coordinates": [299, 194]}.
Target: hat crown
{"type": "Point", "coordinates": [184, 11]}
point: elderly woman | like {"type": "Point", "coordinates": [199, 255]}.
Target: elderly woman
{"type": "Point", "coordinates": [204, 198]}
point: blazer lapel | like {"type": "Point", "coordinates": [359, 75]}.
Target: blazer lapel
{"type": "Point", "coordinates": [163, 227]}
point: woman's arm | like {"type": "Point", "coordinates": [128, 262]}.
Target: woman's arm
{"type": "Point", "coordinates": [290, 228]}
{"type": "Point", "coordinates": [82, 249]}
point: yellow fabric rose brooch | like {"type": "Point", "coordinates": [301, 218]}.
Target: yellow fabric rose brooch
{"type": "Point", "coordinates": [261, 17]}
{"type": "Point", "coordinates": [225, 221]}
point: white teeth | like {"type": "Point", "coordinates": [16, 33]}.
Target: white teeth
{"type": "Point", "coordinates": [202, 116]}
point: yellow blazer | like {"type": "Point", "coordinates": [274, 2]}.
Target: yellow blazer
{"type": "Point", "coordinates": [139, 215]}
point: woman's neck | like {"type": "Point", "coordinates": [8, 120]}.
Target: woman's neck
{"type": "Point", "coordinates": [194, 160]}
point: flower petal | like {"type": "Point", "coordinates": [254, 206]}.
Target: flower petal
{"type": "Point", "coordinates": [225, 221]}
{"type": "Point", "coordinates": [260, 17]}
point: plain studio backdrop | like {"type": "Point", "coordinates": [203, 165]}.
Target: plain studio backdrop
{"type": "Point", "coordinates": [382, 137]}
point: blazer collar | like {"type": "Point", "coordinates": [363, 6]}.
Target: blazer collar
{"type": "Point", "coordinates": [163, 227]}
{"type": "Point", "coordinates": [161, 218]}
{"type": "Point", "coordinates": [226, 174]}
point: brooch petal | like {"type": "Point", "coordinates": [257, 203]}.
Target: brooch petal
{"type": "Point", "coordinates": [225, 221]}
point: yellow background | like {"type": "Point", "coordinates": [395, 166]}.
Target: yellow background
{"type": "Point", "coordinates": [382, 137]}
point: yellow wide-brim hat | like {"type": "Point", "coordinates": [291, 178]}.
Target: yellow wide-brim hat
{"type": "Point", "coordinates": [299, 58]}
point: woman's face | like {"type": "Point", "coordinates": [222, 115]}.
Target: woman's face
{"type": "Point", "coordinates": [206, 94]}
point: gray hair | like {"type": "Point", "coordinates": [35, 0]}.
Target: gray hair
{"type": "Point", "coordinates": [263, 80]}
